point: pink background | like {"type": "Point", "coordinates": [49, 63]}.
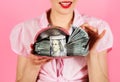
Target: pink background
{"type": "Point", "coordinates": [13, 12]}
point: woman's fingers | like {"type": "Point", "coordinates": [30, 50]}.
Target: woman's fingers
{"type": "Point", "coordinates": [39, 59]}
{"type": "Point", "coordinates": [87, 26]}
{"type": "Point", "coordinates": [100, 36]}
{"type": "Point", "coordinates": [93, 34]}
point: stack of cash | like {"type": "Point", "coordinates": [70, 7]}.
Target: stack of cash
{"type": "Point", "coordinates": [56, 42]}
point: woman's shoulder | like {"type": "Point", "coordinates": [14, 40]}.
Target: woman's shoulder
{"type": "Point", "coordinates": [28, 23]}
{"type": "Point", "coordinates": [26, 27]}
{"type": "Point", "coordinates": [33, 23]}
{"type": "Point", "coordinates": [95, 21]}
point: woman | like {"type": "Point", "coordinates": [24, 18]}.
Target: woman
{"type": "Point", "coordinates": [31, 68]}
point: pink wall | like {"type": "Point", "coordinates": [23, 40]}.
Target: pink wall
{"type": "Point", "coordinates": [14, 11]}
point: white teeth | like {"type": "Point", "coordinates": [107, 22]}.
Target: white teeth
{"type": "Point", "coordinates": [65, 3]}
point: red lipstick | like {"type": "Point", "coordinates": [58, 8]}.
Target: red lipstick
{"type": "Point", "coordinates": [65, 4]}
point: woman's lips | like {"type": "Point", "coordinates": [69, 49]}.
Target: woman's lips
{"type": "Point", "coordinates": [65, 4]}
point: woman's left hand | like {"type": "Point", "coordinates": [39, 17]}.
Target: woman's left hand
{"type": "Point", "coordinates": [94, 36]}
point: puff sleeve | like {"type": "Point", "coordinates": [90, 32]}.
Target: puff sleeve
{"type": "Point", "coordinates": [106, 42]}
{"type": "Point", "coordinates": [16, 40]}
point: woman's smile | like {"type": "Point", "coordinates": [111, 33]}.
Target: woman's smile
{"type": "Point", "coordinates": [65, 4]}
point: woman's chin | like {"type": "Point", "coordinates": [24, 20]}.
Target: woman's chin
{"type": "Point", "coordinates": [65, 11]}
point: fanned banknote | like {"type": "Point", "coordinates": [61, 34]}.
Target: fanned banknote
{"type": "Point", "coordinates": [78, 42]}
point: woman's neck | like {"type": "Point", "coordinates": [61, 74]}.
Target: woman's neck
{"type": "Point", "coordinates": [62, 20]}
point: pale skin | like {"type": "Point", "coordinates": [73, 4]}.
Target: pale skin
{"type": "Point", "coordinates": [28, 68]}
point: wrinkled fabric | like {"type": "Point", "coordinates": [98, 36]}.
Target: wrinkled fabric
{"type": "Point", "coordinates": [72, 69]}
{"type": "Point", "coordinates": [69, 69]}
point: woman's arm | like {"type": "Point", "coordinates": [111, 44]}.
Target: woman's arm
{"type": "Point", "coordinates": [97, 67]}
{"type": "Point", "coordinates": [25, 71]}
{"type": "Point", "coordinates": [28, 67]}
{"type": "Point", "coordinates": [97, 63]}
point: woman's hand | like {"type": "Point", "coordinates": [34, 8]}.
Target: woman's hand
{"type": "Point", "coordinates": [38, 61]}
{"type": "Point", "coordinates": [94, 36]}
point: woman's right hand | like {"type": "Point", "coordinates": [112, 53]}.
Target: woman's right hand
{"type": "Point", "coordinates": [38, 61]}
